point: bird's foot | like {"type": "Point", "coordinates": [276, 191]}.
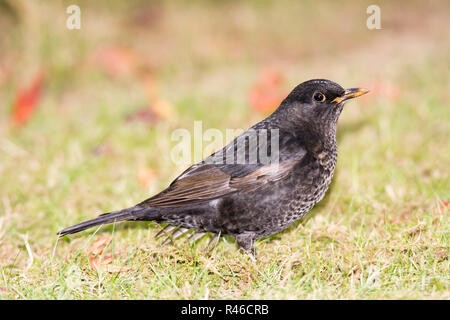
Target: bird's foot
{"type": "Point", "coordinates": [175, 235]}
{"type": "Point", "coordinates": [246, 243]}
{"type": "Point", "coordinates": [251, 254]}
{"type": "Point", "coordinates": [174, 232]}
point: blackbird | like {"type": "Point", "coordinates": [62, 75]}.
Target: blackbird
{"type": "Point", "coordinates": [240, 191]}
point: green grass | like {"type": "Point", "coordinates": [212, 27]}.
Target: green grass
{"type": "Point", "coordinates": [376, 235]}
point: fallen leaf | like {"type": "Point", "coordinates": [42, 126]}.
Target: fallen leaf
{"type": "Point", "coordinates": [97, 262]}
{"type": "Point", "coordinates": [115, 60]}
{"type": "Point", "coordinates": [98, 245]}
{"type": "Point", "coordinates": [103, 263]}
{"type": "Point", "coordinates": [442, 206]}
{"type": "Point", "coordinates": [379, 88]}
{"type": "Point", "coordinates": [268, 91]}
{"type": "Point", "coordinates": [162, 108]}
{"type": "Point", "coordinates": [27, 99]}
{"type": "Point", "coordinates": [146, 176]}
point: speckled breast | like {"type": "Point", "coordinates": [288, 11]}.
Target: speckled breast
{"type": "Point", "coordinates": [307, 193]}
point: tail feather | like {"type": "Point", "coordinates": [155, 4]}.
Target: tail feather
{"type": "Point", "coordinates": [133, 213]}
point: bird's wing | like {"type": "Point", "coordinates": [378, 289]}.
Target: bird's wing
{"type": "Point", "coordinates": [207, 182]}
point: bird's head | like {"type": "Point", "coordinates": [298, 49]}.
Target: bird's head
{"type": "Point", "coordinates": [318, 102]}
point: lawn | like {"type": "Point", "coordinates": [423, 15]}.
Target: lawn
{"type": "Point", "coordinates": [95, 135]}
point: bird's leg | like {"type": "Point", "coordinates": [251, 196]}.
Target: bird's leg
{"type": "Point", "coordinates": [246, 243]}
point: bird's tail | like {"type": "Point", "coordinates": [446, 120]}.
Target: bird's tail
{"type": "Point", "coordinates": [133, 213]}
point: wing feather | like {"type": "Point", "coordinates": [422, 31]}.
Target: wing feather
{"type": "Point", "coordinates": [210, 183]}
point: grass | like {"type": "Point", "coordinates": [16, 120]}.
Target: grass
{"type": "Point", "coordinates": [376, 235]}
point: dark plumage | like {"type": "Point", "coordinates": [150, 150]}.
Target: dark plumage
{"type": "Point", "coordinates": [252, 199]}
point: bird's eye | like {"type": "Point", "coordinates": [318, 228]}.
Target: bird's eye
{"type": "Point", "coordinates": [319, 96]}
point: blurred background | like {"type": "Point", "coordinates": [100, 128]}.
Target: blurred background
{"type": "Point", "coordinates": [86, 115]}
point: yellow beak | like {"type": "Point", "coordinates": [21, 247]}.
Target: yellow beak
{"type": "Point", "coordinates": [350, 94]}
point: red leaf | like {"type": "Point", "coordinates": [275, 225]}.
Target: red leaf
{"type": "Point", "coordinates": [27, 100]}
{"type": "Point", "coordinates": [383, 89]}
{"type": "Point", "coordinates": [98, 245]}
{"type": "Point", "coordinates": [441, 206]}
{"type": "Point", "coordinates": [268, 91]}
{"type": "Point", "coordinates": [104, 263]}
{"type": "Point", "coordinates": [115, 60]}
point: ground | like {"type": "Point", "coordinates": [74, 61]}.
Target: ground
{"type": "Point", "coordinates": [113, 92]}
